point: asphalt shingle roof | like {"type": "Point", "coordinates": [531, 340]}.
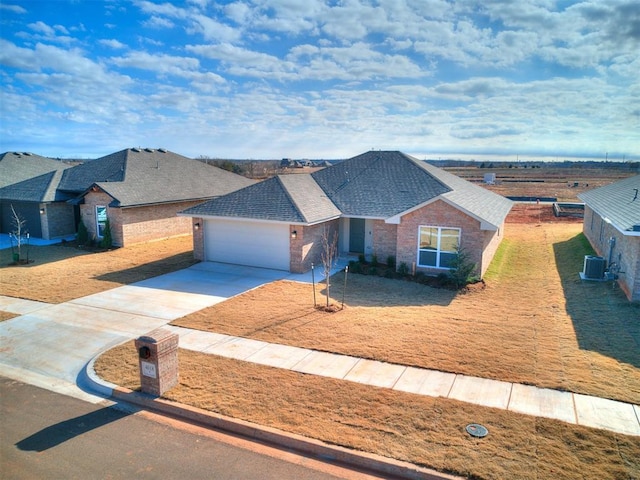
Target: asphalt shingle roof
{"type": "Point", "coordinates": [287, 198]}
{"type": "Point", "coordinates": [378, 184]}
{"type": "Point", "coordinates": [16, 167]}
{"type": "Point", "coordinates": [38, 189]}
{"type": "Point", "coordinates": [135, 177]}
{"type": "Point", "coordinates": [618, 202]}
{"type": "Point", "coordinates": [371, 185]}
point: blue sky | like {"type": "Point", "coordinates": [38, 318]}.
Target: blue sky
{"type": "Point", "coordinates": [322, 79]}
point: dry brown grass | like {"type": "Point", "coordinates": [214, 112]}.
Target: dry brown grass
{"type": "Point", "coordinates": [6, 316]}
{"type": "Point", "coordinates": [421, 430]}
{"type": "Point", "coordinates": [535, 322]}
{"type": "Point", "coordinates": [61, 273]}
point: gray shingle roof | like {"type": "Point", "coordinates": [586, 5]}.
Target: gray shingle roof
{"type": "Point", "coordinates": [372, 185]}
{"type": "Point", "coordinates": [16, 167]}
{"type": "Point", "coordinates": [378, 184]}
{"type": "Point", "coordinates": [286, 198]}
{"type": "Point", "coordinates": [38, 189]}
{"type": "Point", "coordinates": [135, 177]}
{"type": "Point", "coordinates": [618, 202]}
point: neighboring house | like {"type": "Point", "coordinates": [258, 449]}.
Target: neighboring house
{"type": "Point", "coordinates": [141, 191]}
{"type": "Point", "coordinates": [383, 203]}
{"type": "Point", "coordinates": [28, 184]}
{"type": "Point", "coordinates": [612, 225]}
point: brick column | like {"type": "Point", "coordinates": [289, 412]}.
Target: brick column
{"type": "Point", "coordinates": [158, 361]}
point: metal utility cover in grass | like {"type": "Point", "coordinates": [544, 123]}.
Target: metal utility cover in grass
{"type": "Point", "coordinates": [477, 430]}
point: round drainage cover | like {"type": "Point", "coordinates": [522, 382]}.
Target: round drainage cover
{"type": "Point", "coordinates": [476, 430]}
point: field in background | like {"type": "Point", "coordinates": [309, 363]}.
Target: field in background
{"type": "Point", "coordinates": [562, 183]}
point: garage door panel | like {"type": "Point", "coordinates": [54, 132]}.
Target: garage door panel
{"type": "Point", "coordinates": [247, 243]}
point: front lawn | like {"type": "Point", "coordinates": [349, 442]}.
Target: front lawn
{"type": "Point", "coordinates": [535, 322]}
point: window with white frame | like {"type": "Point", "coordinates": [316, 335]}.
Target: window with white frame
{"type": "Point", "coordinates": [438, 246]}
{"type": "Point", "coordinates": [101, 220]}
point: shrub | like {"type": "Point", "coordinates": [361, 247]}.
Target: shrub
{"type": "Point", "coordinates": [462, 269]}
{"type": "Point", "coordinates": [374, 260]}
{"type": "Point", "coordinates": [391, 262]}
{"type": "Point", "coordinates": [355, 267]}
{"type": "Point", "coordinates": [403, 268]}
{"type": "Point", "coordinates": [107, 240]}
{"type": "Point", "coordinates": [362, 259]}
{"type": "Point", "coordinates": [83, 235]}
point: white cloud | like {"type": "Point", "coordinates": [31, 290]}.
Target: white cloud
{"type": "Point", "coordinates": [12, 8]}
{"type": "Point", "coordinates": [112, 43]}
{"type": "Point", "coordinates": [43, 28]}
{"type": "Point", "coordinates": [158, 22]}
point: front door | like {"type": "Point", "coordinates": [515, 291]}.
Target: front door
{"type": "Point", "coordinates": [356, 235]}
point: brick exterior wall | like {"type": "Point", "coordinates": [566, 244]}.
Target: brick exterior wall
{"type": "Point", "coordinates": [88, 215]}
{"type": "Point", "coordinates": [198, 239]}
{"type": "Point", "coordinates": [626, 251]}
{"type": "Point", "coordinates": [441, 214]}
{"type": "Point", "coordinates": [137, 224]}
{"type": "Point", "coordinates": [58, 220]}
{"type": "Point", "coordinates": [306, 248]}
{"type": "Point", "coordinates": [492, 241]}
{"type": "Point", "coordinates": [385, 240]}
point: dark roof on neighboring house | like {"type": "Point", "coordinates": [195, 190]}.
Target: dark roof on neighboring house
{"type": "Point", "coordinates": [618, 203]}
{"type": "Point", "coordinates": [16, 167]}
{"type": "Point", "coordinates": [38, 189]}
{"type": "Point", "coordinates": [135, 177]}
{"type": "Point", "coordinates": [372, 185]}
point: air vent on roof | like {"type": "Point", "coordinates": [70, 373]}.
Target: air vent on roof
{"type": "Point", "coordinates": [16, 153]}
{"type": "Point", "coordinates": [28, 154]}
{"type": "Point", "coordinates": [135, 149]}
{"type": "Point", "coordinates": [163, 150]}
{"type": "Point", "coordinates": [148, 149]}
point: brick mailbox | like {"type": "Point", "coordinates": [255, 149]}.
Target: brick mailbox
{"type": "Point", "coordinates": [158, 361]}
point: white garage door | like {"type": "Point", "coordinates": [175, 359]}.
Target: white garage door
{"type": "Point", "coordinates": [245, 243]}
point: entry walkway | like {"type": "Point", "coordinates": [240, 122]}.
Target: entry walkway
{"type": "Point", "coordinates": [50, 346]}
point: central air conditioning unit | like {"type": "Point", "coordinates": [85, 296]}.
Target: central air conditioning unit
{"type": "Point", "coordinates": [594, 267]}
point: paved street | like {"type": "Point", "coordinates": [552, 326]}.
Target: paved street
{"type": "Point", "coordinates": [48, 435]}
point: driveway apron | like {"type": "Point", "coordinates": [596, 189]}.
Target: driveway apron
{"type": "Point", "coordinates": [49, 345]}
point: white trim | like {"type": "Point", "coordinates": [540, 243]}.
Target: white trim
{"type": "Point", "coordinates": [438, 251]}
{"type": "Point", "coordinates": [254, 220]}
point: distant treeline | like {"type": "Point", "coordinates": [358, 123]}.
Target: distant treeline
{"type": "Point", "coordinates": [626, 166]}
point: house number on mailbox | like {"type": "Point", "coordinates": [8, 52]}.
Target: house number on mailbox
{"type": "Point", "coordinates": [148, 369]}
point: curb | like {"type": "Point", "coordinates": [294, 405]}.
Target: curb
{"type": "Point", "coordinates": [267, 435]}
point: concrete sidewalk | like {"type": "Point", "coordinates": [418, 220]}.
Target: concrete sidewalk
{"type": "Point", "coordinates": [568, 407]}
{"type": "Point", "coordinates": [50, 346]}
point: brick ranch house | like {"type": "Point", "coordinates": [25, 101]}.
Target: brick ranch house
{"type": "Point", "coordinates": [141, 191]}
{"type": "Point", "coordinates": [381, 202]}
{"type": "Point", "coordinates": [612, 225]}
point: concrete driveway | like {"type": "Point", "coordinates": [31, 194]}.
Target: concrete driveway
{"type": "Point", "coordinates": [49, 345]}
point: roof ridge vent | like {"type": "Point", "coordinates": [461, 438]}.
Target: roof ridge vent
{"type": "Point", "coordinates": [163, 150]}
{"type": "Point", "coordinates": [135, 149]}
{"type": "Point", "coordinates": [148, 150]}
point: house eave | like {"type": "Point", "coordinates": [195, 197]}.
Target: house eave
{"type": "Point", "coordinates": [484, 225]}
{"type": "Point", "coordinates": [625, 232]}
